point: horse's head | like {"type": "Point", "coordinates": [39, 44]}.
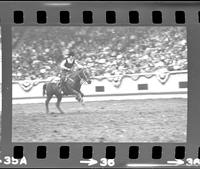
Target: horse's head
{"type": "Point", "coordinates": [84, 75]}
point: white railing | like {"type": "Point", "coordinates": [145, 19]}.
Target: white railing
{"type": "Point", "coordinates": [159, 85]}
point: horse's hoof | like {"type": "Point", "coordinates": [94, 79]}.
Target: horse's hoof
{"type": "Point", "coordinates": [78, 99]}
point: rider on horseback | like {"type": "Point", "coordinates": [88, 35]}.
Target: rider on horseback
{"type": "Point", "coordinates": [67, 65]}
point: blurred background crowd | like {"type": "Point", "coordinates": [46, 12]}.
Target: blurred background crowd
{"type": "Point", "coordinates": [106, 51]}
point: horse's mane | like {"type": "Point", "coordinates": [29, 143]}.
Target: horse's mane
{"type": "Point", "coordinates": [75, 73]}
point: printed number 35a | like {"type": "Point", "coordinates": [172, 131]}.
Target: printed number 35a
{"type": "Point", "coordinates": [12, 161]}
{"type": "Point", "coordinates": [107, 162]}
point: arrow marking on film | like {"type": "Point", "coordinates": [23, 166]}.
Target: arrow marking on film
{"type": "Point", "coordinates": [176, 162]}
{"type": "Point", "coordinates": [150, 165]}
{"type": "Point", "coordinates": [89, 162]}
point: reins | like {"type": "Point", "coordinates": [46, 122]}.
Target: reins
{"type": "Point", "coordinates": [79, 77]}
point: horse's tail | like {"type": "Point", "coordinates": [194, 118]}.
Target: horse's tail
{"type": "Point", "coordinates": [44, 89]}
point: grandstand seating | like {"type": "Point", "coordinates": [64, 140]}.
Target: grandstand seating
{"type": "Point", "coordinates": [37, 51]}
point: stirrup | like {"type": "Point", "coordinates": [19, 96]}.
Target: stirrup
{"type": "Point", "coordinates": [61, 91]}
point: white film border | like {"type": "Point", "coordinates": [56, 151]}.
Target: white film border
{"type": "Point", "coordinates": [137, 70]}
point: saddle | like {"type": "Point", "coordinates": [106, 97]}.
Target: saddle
{"type": "Point", "coordinates": [61, 82]}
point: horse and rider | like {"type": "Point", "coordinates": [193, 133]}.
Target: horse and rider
{"type": "Point", "coordinates": [70, 81]}
{"type": "Point", "coordinates": [67, 67]}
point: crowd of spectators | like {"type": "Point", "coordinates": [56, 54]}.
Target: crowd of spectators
{"type": "Point", "coordinates": [106, 51]}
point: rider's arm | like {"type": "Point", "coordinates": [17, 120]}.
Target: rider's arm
{"type": "Point", "coordinates": [62, 65]}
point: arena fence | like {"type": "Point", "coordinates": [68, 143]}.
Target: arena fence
{"type": "Point", "coordinates": [134, 86]}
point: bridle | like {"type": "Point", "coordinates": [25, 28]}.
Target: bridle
{"type": "Point", "coordinates": [80, 78]}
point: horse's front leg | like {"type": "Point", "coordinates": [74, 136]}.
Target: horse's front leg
{"type": "Point", "coordinates": [82, 95]}
{"type": "Point", "coordinates": [77, 93]}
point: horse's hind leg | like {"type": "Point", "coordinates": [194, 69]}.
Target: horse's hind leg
{"type": "Point", "coordinates": [59, 98]}
{"type": "Point", "coordinates": [47, 103]}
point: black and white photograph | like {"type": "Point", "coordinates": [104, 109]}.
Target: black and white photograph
{"type": "Point", "coordinates": [99, 84]}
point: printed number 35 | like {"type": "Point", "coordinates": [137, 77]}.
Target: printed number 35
{"type": "Point", "coordinates": [10, 160]}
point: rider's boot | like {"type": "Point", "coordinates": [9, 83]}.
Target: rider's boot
{"type": "Point", "coordinates": [60, 87]}
{"type": "Point", "coordinates": [62, 92]}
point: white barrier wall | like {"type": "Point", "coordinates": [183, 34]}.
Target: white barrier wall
{"type": "Point", "coordinates": [137, 86]}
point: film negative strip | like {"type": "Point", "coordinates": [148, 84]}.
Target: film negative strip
{"type": "Point", "coordinates": [100, 84]}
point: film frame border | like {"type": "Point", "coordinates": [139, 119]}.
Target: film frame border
{"type": "Point", "coordinates": [145, 19]}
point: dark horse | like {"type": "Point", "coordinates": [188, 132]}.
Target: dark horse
{"type": "Point", "coordinates": [70, 87]}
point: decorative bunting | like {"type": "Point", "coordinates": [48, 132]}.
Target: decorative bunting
{"type": "Point", "coordinates": [28, 84]}
{"type": "Point", "coordinates": [162, 77]}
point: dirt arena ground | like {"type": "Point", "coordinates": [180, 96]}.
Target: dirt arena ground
{"type": "Point", "coordinates": [163, 120]}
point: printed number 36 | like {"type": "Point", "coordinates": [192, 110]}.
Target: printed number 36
{"type": "Point", "coordinates": [193, 162]}
{"type": "Point", "coordinates": [107, 162]}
